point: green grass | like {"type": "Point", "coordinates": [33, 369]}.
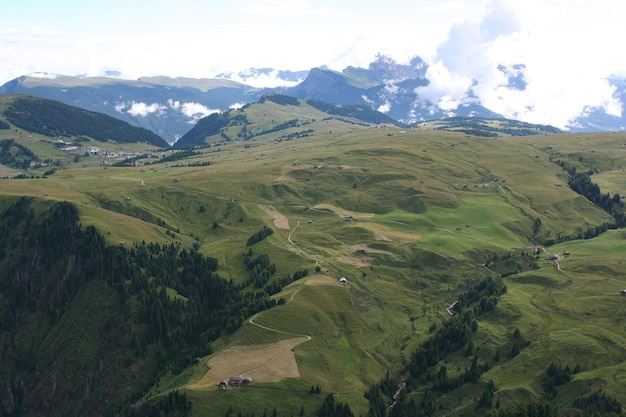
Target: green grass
{"type": "Point", "coordinates": [408, 193]}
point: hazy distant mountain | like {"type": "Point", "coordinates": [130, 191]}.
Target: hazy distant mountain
{"type": "Point", "coordinates": [170, 107]}
{"type": "Point", "coordinates": [167, 106]}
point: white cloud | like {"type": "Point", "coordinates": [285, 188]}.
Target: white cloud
{"type": "Point", "coordinates": [196, 111]}
{"type": "Point", "coordinates": [235, 106]}
{"type": "Point", "coordinates": [262, 79]}
{"type": "Point", "coordinates": [143, 109]}
{"type": "Point", "coordinates": [384, 108]}
{"type": "Point", "coordinates": [174, 104]}
{"type": "Point", "coordinates": [564, 73]}
{"type": "Point", "coordinates": [446, 90]}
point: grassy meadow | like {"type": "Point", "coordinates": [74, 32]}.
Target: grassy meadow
{"type": "Point", "coordinates": [409, 218]}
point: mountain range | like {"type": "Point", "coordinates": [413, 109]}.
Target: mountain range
{"type": "Point", "coordinates": [171, 106]}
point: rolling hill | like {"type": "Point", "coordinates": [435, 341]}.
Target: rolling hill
{"type": "Point", "coordinates": [476, 281]}
{"type": "Point", "coordinates": [281, 117]}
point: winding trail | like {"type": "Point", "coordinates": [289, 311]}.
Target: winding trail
{"type": "Point", "coordinates": [291, 233]}
{"type": "Point", "coordinates": [251, 321]}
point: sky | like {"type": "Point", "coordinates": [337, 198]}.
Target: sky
{"type": "Point", "coordinates": [568, 47]}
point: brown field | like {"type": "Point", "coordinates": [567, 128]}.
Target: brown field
{"type": "Point", "coordinates": [271, 362]}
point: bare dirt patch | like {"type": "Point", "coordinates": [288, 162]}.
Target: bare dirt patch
{"type": "Point", "coordinates": [263, 363]}
{"type": "Point", "coordinates": [280, 220]}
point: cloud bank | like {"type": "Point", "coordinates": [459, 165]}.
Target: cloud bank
{"type": "Point", "coordinates": [521, 66]}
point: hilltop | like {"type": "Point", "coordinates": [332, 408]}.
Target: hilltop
{"type": "Point", "coordinates": [282, 118]}
{"type": "Point", "coordinates": [479, 273]}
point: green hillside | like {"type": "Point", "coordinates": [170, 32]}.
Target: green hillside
{"type": "Point", "coordinates": [55, 119]}
{"type": "Point", "coordinates": [473, 275]}
{"type": "Point", "coordinates": [280, 117]}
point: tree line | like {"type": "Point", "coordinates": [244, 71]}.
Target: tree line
{"type": "Point", "coordinates": [581, 183]}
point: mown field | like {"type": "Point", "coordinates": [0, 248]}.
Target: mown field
{"type": "Point", "coordinates": [410, 220]}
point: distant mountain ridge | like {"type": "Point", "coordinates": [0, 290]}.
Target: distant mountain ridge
{"type": "Point", "coordinates": [167, 106]}
{"type": "Point", "coordinates": [171, 106]}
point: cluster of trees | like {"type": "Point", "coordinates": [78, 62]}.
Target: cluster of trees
{"type": "Point", "coordinates": [483, 127]}
{"type": "Point", "coordinates": [174, 404]}
{"type": "Point", "coordinates": [277, 285]}
{"type": "Point", "coordinates": [259, 236]}
{"type": "Point", "coordinates": [280, 99]}
{"type": "Point", "coordinates": [260, 267]}
{"type": "Point", "coordinates": [170, 304]}
{"type": "Point", "coordinates": [4, 125]}
{"type": "Point", "coordinates": [246, 134]}
{"type": "Point", "coordinates": [456, 334]}
{"type": "Point", "coordinates": [599, 402]}
{"type": "Point", "coordinates": [53, 118]}
{"type": "Point", "coordinates": [531, 409]}
{"type": "Point", "coordinates": [178, 155]}
{"type": "Point", "coordinates": [15, 155]}
{"type": "Point", "coordinates": [357, 111]}
{"type": "Point", "coordinates": [299, 134]}
{"type": "Point", "coordinates": [581, 183]}
{"type": "Point", "coordinates": [555, 376]}
{"type": "Point", "coordinates": [443, 383]}
{"type": "Point", "coordinates": [334, 408]}
{"type": "Point", "coordinates": [210, 126]}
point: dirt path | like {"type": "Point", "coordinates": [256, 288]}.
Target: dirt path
{"type": "Point", "coordinates": [555, 257]}
{"type": "Point", "coordinates": [291, 233]}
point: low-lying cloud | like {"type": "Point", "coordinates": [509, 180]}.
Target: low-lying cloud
{"type": "Point", "coordinates": [196, 111]}
{"type": "Point", "coordinates": [143, 109]}
{"type": "Point", "coordinates": [520, 61]}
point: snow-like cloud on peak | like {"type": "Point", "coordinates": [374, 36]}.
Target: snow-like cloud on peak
{"type": "Point", "coordinates": [261, 79]}
{"type": "Point", "coordinates": [48, 75]}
